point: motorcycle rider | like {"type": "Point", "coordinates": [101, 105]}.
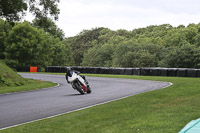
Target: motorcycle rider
{"type": "Point", "coordinates": [69, 72]}
{"type": "Point", "coordinates": [77, 81]}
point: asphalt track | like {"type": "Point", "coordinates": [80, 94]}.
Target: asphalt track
{"type": "Point", "coordinates": [22, 107]}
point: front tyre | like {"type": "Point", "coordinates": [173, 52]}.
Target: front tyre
{"type": "Point", "coordinates": [89, 90]}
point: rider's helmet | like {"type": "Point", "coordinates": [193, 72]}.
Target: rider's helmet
{"type": "Point", "coordinates": [68, 69]}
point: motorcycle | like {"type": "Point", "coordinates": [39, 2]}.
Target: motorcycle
{"type": "Point", "coordinates": [78, 81]}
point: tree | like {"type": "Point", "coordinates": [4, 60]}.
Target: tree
{"type": "Point", "coordinates": [5, 27]}
{"type": "Point", "coordinates": [14, 10]}
{"type": "Point", "coordinates": [49, 26]}
{"type": "Point", "coordinates": [176, 37]}
{"type": "Point", "coordinates": [28, 46]}
{"type": "Point", "coordinates": [99, 56]}
{"type": "Point", "coordinates": [124, 33]}
{"type": "Point", "coordinates": [145, 59]}
{"type": "Point", "coordinates": [186, 56]}
{"type": "Point", "coordinates": [131, 54]}
{"type": "Point", "coordinates": [82, 42]}
{"type": "Point", "coordinates": [46, 8]}
{"type": "Point", "coordinates": [190, 32]}
{"type": "Point", "coordinates": [62, 53]}
{"type": "Point", "coordinates": [197, 39]}
{"type": "Point", "coordinates": [153, 46]}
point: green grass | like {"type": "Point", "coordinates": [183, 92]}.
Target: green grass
{"type": "Point", "coordinates": [8, 77]}
{"type": "Point", "coordinates": [161, 111]}
{"type": "Point", "coordinates": [29, 85]}
{"type": "Point", "coordinates": [10, 81]}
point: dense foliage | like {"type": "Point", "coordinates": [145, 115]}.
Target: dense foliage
{"type": "Point", "coordinates": [5, 27]}
{"type": "Point", "coordinates": [43, 44]}
{"type": "Point", "coordinates": [49, 26]}
{"type": "Point", "coordinates": [153, 46]}
{"type": "Point", "coordinates": [14, 10]}
{"type": "Point", "coordinates": [24, 45]}
{"type": "Point", "coordinates": [39, 43]}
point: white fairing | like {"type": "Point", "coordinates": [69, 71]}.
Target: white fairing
{"type": "Point", "coordinates": [73, 77]}
{"type": "Point", "coordinates": [76, 76]}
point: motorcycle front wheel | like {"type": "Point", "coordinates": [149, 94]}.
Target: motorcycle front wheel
{"type": "Point", "coordinates": [89, 90]}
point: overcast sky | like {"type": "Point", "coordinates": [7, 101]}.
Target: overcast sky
{"type": "Point", "coordinates": [76, 15]}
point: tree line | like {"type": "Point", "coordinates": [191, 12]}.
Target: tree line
{"type": "Point", "coordinates": [152, 46]}
{"type": "Point", "coordinates": [29, 44]}
{"type": "Point", "coordinates": [34, 44]}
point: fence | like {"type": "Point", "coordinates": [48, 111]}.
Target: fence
{"type": "Point", "coordinates": [173, 72]}
{"type": "Point", "coordinates": [27, 69]}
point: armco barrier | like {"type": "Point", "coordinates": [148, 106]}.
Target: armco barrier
{"type": "Point", "coordinates": [22, 69]}
{"type": "Point", "coordinates": [118, 71]}
{"type": "Point", "coordinates": [91, 70]}
{"type": "Point", "coordinates": [145, 72]}
{"type": "Point", "coordinates": [181, 72]}
{"type": "Point", "coordinates": [80, 69]}
{"type": "Point", "coordinates": [198, 72]}
{"type": "Point", "coordinates": [191, 73]}
{"type": "Point", "coordinates": [104, 70]}
{"type": "Point", "coordinates": [62, 69]}
{"type": "Point", "coordinates": [150, 71]}
{"type": "Point", "coordinates": [173, 72]}
{"type": "Point", "coordinates": [96, 70]}
{"type": "Point", "coordinates": [136, 71]}
{"type": "Point", "coordinates": [56, 69]}
{"type": "Point", "coordinates": [112, 71]}
{"type": "Point", "coordinates": [128, 71]}
{"type": "Point", "coordinates": [121, 71]}
{"type": "Point", "coordinates": [25, 69]}
{"type": "Point", "coordinates": [163, 71]}
{"type": "Point", "coordinates": [155, 72]}
{"type": "Point", "coordinates": [39, 69]}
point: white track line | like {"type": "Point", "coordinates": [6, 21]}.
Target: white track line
{"type": "Point", "coordinates": [78, 109]}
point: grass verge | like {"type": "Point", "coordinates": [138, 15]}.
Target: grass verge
{"type": "Point", "coordinates": [10, 81]}
{"type": "Point", "coordinates": [30, 84]}
{"type": "Point", "coordinates": [160, 111]}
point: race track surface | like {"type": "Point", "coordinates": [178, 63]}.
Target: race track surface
{"type": "Point", "coordinates": [22, 107]}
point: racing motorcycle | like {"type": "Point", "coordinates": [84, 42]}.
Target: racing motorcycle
{"type": "Point", "coordinates": [78, 81]}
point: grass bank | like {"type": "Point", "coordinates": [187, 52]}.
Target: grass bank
{"type": "Point", "coordinates": [10, 81]}
{"type": "Point", "coordinates": [160, 111]}
{"type": "Point", "coordinates": [8, 77]}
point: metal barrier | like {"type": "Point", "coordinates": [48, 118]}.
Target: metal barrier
{"type": "Point", "coordinates": [172, 72]}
